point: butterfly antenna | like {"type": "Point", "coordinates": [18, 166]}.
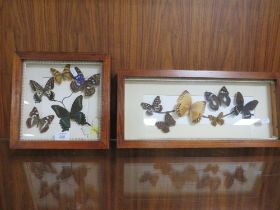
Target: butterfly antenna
{"type": "Point", "coordinates": [67, 97]}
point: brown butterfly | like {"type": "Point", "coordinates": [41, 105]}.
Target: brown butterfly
{"type": "Point", "coordinates": [42, 123]}
{"type": "Point", "coordinates": [151, 177]}
{"type": "Point", "coordinates": [212, 183]}
{"type": "Point", "coordinates": [45, 189]}
{"type": "Point", "coordinates": [217, 120]}
{"type": "Point", "coordinates": [184, 107]}
{"type": "Point", "coordinates": [237, 175]}
{"type": "Point", "coordinates": [155, 107]}
{"type": "Point", "coordinates": [65, 75]}
{"type": "Point", "coordinates": [210, 167]}
{"type": "Point", "coordinates": [164, 125]}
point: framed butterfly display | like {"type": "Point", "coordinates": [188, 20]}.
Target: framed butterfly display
{"type": "Point", "coordinates": [171, 108]}
{"type": "Point", "coordinates": [60, 101]}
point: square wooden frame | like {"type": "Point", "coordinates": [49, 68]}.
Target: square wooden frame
{"type": "Point", "coordinates": [19, 58]}
{"type": "Point", "coordinates": [139, 143]}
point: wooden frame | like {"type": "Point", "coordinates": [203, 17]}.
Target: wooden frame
{"type": "Point", "coordinates": [179, 74]}
{"type": "Point", "coordinates": [19, 58]}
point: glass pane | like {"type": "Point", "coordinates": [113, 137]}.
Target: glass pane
{"type": "Point", "coordinates": [61, 104]}
{"type": "Point", "coordinates": [240, 110]}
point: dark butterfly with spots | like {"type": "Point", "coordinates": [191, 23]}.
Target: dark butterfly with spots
{"type": "Point", "coordinates": [45, 189]}
{"type": "Point", "coordinates": [215, 101]}
{"type": "Point", "coordinates": [81, 84]}
{"type": "Point", "coordinates": [42, 123]}
{"type": "Point", "coordinates": [168, 122]}
{"type": "Point", "coordinates": [75, 114]}
{"type": "Point", "coordinates": [246, 109]}
{"type": "Point", "coordinates": [40, 91]}
{"type": "Point", "coordinates": [155, 107]}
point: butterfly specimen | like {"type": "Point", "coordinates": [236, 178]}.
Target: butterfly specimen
{"type": "Point", "coordinates": [151, 177]}
{"type": "Point", "coordinates": [246, 109]}
{"type": "Point", "coordinates": [87, 85]}
{"type": "Point", "coordinates": [155, 107]}
{"type": "Point", "coordinates": [45, 189]}
{"type": "Point", "coordinates": [212, 183]}
{"type": "Point", "coordinates": [164, 125]}
{"type": "Point", "coordinates": [75, 114]}
{"type": "Point", "coordinates": [40, 91]}
{"type": "Point", "coordinates": [215, 101]}
{"type": "Point", "coordinates": [184, 107]}
{"type": "Point", "coordinates": [65, 75]}
{"type": "Point", "coordinates": [42, 123]}
{"type": "Point", "coordinates": [213, 168]}
{"type": "Point", "coordinates": [217, 120]}
{"type": "Point", "coordinates": [237, 175]}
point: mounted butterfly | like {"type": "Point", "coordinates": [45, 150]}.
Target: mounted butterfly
{"type": "Point", "coordinates": [215, 101]}
{"type": "Point", "coordinates": [43, 91]}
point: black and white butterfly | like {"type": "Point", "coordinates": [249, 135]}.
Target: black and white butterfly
{"type": "Point", "coordinates": [168, 122]}
{"type": "Point", "coordinates": [40, 91]}
{"type": "Point", "coordinates": [87, 85]}
{"type": "Point", "coordinates": [215, 101]}
{"type": "Point", "coordinates": [155, 107]}
{"type": "Point", "coordinates": [75, 114]}
{"type": "Point", "coordinates": [246, 109]}
{"type": "Point", "coordinates": [42, 123]}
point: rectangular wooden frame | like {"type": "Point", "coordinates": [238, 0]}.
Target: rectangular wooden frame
{"type": "Point", "coordinates": [123, 143]}
{"type": "Point", "coordinates": [19, 57]}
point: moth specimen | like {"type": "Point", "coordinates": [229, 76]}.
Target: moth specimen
{"type": "Point", "coordinates": [86, 85]}
{"type": "Point", "coordinates": [64, 75]}
{"type": "Point", "coordinates": [215, 101]}
{"type": "Point", "coordinates": [154, 107]}
{"type": "Point", "coordinates": [74, 114]}
{"type": "Point", "coordinates": [42, 123]}
{"type": "Point", "coordinates": [164, 125]}
{"type": "Point", "coordinates": [246, 109]}
{"type": "Point", "coordinates": [40, 91]}
{"type": "Point", "coordinates": [184, 107]}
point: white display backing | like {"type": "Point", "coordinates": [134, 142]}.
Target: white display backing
{"type": "Point", "coordinates": [39, 71]}
{"type": "Point", "coordinates": [139, 126]}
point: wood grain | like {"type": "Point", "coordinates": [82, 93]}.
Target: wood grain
{"type": "Point", "coordinates": [160, 34]}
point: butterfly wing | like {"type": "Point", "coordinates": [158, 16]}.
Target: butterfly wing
{"type": "Point", "coordinates": [95, 79]}
{"type": "Point", "coordinates": [197, 110]}
{"type": "Point", "coordinates": [224, 96]}
{"type": "Point", "coordinates": [33, 118]}
{"type": "Point", "coordinates": [39, 91]}
{"type": "Point", "coordinates": [184, 103]}
{"type": "Point", "coordinates": [66, 74]}
{"type": "Point", "coordinates": [79, 80]}
{"type": "Point", "coordinates": [220, 119]}
{"type": "Point", "coordinates": [48, 89]}
{"type": "Point", "coordinates": [64, 116]}
{"type": "Point", "coordinates": [250, 106]}
{"type": "Point", "coordinates": [76, 113]}
{"type": "Point", "coordinates": [169, 120]}
{"type": "Point", "coordinates": [156, 104]}
{"type": "Point", "coordinates": [213, 100]}
{"type": "Point", "coordinates": [148, 108]}
{"type": "Point", "coordinates": [89, 88]}
{"type": "Point", "coordinates": [44, 123]}
{"type": "Point", "coordinates": [162, 126]}
{"type": "Point", "coordinates": [239, 100]}
{"type": "Point", "coordinates": [57, 75]}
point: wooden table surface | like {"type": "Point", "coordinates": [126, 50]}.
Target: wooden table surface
{"type": "Point", "coordinates": [200, 179]}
